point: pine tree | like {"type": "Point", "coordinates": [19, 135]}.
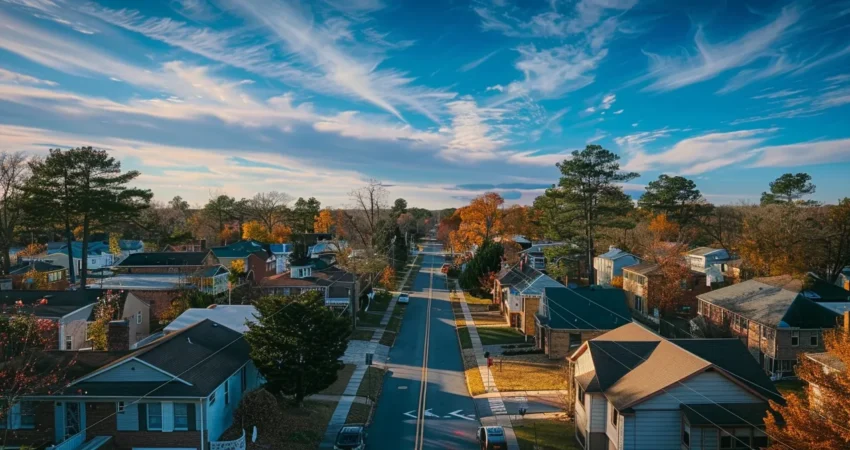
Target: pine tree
{"type": "Point", "coordinates": [297, 344]}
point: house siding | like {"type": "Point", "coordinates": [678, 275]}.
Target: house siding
{"type": "Point", "coordinates": [699, 389]}
{"type": "Point", "coordinates": [598, 412]}
{"type": "Point", "coordinates": [658, 430]}
{"type": "Point", "coordinates": [130, 371]}
{"type": "Point", "coordinates": [159, 300]}
{"type": "Point", "coordinates": [75, 325]}
{"type": "Point", "coordinates": [581, 415]}
{"type": "Point", "coordinates": [612, 431]}
{"type": "Point", "coordinates": [629, 432]}
{"type": "Point", "coordinates": [558, 341]}
{"type": "Point", "coordinates": [132, 306]}
{"type": "Point", "coordinates": [220, 414]}
{"type": "Point", "coordinates": [529, 309]}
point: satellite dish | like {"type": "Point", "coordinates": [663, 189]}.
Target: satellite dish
{"type": "Point", "coordinates": [254, 434]}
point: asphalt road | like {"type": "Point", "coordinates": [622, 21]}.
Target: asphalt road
{"type": "Point", "coordinates": [450, 420]}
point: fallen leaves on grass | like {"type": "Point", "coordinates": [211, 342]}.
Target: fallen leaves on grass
{"type": "Point", "coordinates": [361, 335]}
{"type": "Point", "coordinates": [297, 429]}
{"type": "Point", "coordinates": [528, 373]}
{"type": "Point", "coordinates": [359, 413]}
{"type": "Point", "coordinates": [489, 319]}
{"type": "Point", "coordinates": [473, 375]}
{"type": "Point", "coordinates": [373, 382]}
{"type": "Point", "coordinates": [546, 434]}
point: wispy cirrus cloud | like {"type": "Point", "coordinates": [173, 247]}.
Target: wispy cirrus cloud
{"type": "Point", "coordinates": [538, 158]}
{"type": "Point", "coordinates": [474, 134]}
{"type": "Point", "coordinates": [804, 154]}
{"type": "Point", "coordinates": [7, 76]}
{"type": "Point", "coordinates": [473, 64]}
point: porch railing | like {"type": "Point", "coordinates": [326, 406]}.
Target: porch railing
{"type": "Point", "coordinates": [72, 443]}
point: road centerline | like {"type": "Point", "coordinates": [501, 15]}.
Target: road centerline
{"type": "Point", "coordinates": [423, 389]}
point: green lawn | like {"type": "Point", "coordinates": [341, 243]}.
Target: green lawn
{"type": "Point", "coordinates": [366, 319]}
{"type": "Point", "coordinates": [787, 387]}
{"type": "Point", "coordinates": [342, 377]}
{"type": "Point", "coordinates": [372, 383]}
{"type": "Point", "coordinates": [473, 300]}
{"type": "Point", "coordinates": [361, 335]}
{"type": "Point", "coordinates": [380, 302]}
{"type": "Point", "coordinates": [552, 434]}
{"type": "Point", "coordinates": [500, 335]}
{"type": "Point", "coordinates": [465, 340]}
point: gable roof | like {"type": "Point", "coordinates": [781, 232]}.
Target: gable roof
{"type": "Point", "coordinates": [770, 305]}
{"type": "Point", "coordinates": [240, 249]}
{"type": "Point", "coordinates": [531, 285]}
{"type": "Point", "coordinates": [632, 364]}
{"type": "Point", "coordinates": [586, 308]}
{"type": "Point", "coordinates": [512, 275]}
{"type": "Point", "coordinates": [704, 251]}
{"type": "Point", "coordinates": [615, 253]}
{"type": "Point", "coordinates": [827, 359]}
{"type": "Point", "coordinates": [40, 266]}
{"type": "Point", "coordinates": [95, 248]}
{"type": "Point", "coordinates": [810, 286]}
{"type": "Point", "coordinates": [231, 316]}
{"type": "Point", "coordinates": [644, 268]}
{"type": "Point", "coordinates": [58, 303]}
{"type": "Point", "coordinates": [164, 259]}
{"type": "Point", "coordinates": [200, 356]}
{"type": "Point", "coordinates": [211, 271]}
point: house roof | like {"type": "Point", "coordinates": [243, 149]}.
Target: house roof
{"type": "Point", "coordinates": [633, 364]}
{"type": "Point", "coordinates": [810, 286]}
{"type": "Point", "coordinates": [95, 248]}
{"type": "Point", "coordinates": [512, 275]}
{"type": "Point", "coordinates": [164, 259]}
{"type": "Point", "coordinates": [203, 355]}
{"type": "Point", "coordinates": [59, 303]}
{"type": "Point", "coordinates": [75, 364]}
{"type": "Point", "coordinates": [770, 305]}
{"type": "Point", "coordinates": [827, 360]}
{"type": "Point", "coordinates": [586, 308]}
{"type": "Point", "coordinates": [704, 251]}
{"type": "Point", "coordinates": [538, 247]}
{"type": "Point", "coordinates": [644, 268]}
{"type": "Point", "coordinates": [534, 285]}
{"type": "Point", "coordinates": [614, 253]}
{"type": "Point", "coordinates": [327, 277]}
{"type": "Point", "coordinates": [231, 316]}
{"type": "Point", "coordinates": [725, 414]}
{"type": "Point", "coordinates": [280, 248]}
{"type": "Point", "coordinates": [211, 271]}
{"type": "Point", "coordinates": [144, 281]}
{"type": "Point", "coordinates": [40, 266]}
{"type": "Point", "coordinates": [240, 249]}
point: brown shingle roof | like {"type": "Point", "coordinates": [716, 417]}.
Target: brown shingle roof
{"type": "Point", "coordinates": [642, 268]}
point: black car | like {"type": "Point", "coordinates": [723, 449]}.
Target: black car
{"type": "Point", "coordinates": [351, 437]}
{"type": "Point", "coordinates": [492, 438]}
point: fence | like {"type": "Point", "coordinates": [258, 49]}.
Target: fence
{"type": "Point", "coordinates": [238, 444]}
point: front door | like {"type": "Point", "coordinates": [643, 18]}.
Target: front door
{"type": "Point", "coordinates": [73, 419]}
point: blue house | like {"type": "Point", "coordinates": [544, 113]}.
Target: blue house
{"type": "Point", "coordinates": [611, 263]}
{"type": "Point", "coordinates": [179, 391]}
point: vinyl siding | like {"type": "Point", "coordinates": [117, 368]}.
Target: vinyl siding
{"type": "Point", "coordinates": [129, 419]}
{"type": "Point", "coordinates": [75, 326]}
{"type": "Point", "coordinates": [696, 440]}
{"type": "Point", "coordinates": [658, 430]}
{"type": "Point", "coordinates": [584, 364]}
{"type": "Point", "coordinates": [716, 387]}
{"type": "Point", "coordinates": [598, 413]}
{"type": "Point", "coordinates": [709, 439]}
{"type": "Point", "coordinates": [610, 430]}
{"type": "Point", "coordinates": [628, 432]}
{"type": "Point", "coordinates": [581, 417]}
{"type": "Point", "coordinates": [130, 371]}
{"type": "Point", "coordinates": [219, 414]}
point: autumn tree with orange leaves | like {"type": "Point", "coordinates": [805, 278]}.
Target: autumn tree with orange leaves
{"type": "Point", "coordinates": [324, 221]}
{"type": "Point", "coordinates": [820, 420]}
{"type": "Point", "coordinates": [480, 221]}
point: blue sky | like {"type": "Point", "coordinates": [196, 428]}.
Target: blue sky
{"type": "Point", "coordinates": [441, 100]}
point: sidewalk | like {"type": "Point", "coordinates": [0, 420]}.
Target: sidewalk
{"type": "Point", "coordinates": [497, 406]}
{"type": "Point", "coordinates": [552, 393]}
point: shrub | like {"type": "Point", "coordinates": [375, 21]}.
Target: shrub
{"type": "Point", "coordinates": [258, 408]}
{"type": "Point", "coordinates": [532, 351]}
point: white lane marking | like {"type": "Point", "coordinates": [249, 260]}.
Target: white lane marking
{"type": "Point", "coordinates": [410, 414]}
{"type": "Point", "coordinates": [461, 416]}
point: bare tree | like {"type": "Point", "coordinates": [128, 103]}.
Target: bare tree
{"type": "Point", "coordinates": [268, 208]}
{"type": "Point", "coordinates": [370, 206]}
{"type": "Point", "coordinates": [14, 172]}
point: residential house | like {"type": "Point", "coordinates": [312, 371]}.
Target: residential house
{"type": "Point", "coordinates": [611, 263]}
{"type": "Point", "coordinates": [56, 276]}
{"type": "Point", "coordinates": [636, 390]}
{"type": "Point", "coordinates": [165, 262]}
{"type": "Point", "coordinates": [567, 317]}
{"type": "Point", "coordinates": [326, 249]}
{"type": "Point", "coordinates": [190, 383]}
{"type": "Point", "coordinates": [281, 254]}
{"type": "Point", "coordinates": [843, 280]}
{"type": "Point", "coordinates": [775, 323]}
{"type": "Point", "coordinates": [340, 288]}
{"type": "Point", "coordinates": [98, 254]}
{"type": "Point", "coordinates": [70, 310]}
{"type": "Point", "coordinates": [535, 256]}
{"type": "Point", "coordinates": [259, 262]}
{"type": "Point", "coordinates": [701, 258]}
{"type": "Point", "coordinates": [170, 271]}
{"type": "Point", "coordinates": [199, 245]}
{"type": "Point", "coordinates": [638, 283]}
{"type": "Point", "coordinates": [129, 247]}
{"type": "Point", "coordinates": [509, 276]}
{"type": "Point", "coordinates": [521, 301]}
{"type": "Point", "coordinates": [830, 364]}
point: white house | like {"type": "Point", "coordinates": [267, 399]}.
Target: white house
{"type": "Point", "coordinates": [638, 391]}
{"type": "Point", "coordinates": [701, 258]}
{"type": "Point", "coordinates": [610, 264]}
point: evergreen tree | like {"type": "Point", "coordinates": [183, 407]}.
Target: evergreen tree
{"type": "Point", "coordinates": [297, 344]}
{"type": "Point", "coordinates": [304, 214]}
{"type": "Point", "coordinates": [789, 189]}
{"type": "Point", "coordinates": [676, 197]}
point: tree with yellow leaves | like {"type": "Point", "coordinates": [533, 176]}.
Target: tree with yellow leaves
{"type": "Point", "coordinates": [35, 280]}
{"type": "Point", "coordinates": [281, 233]}
{"type": "Point", "coordinates": [324, 221]}
{"type": "Point", "coordinates": [820, 420]}
{"type": "Point", "coordinates": [480, 221]}
{"type": "Point", "coordinates": [114, 244]}
{"type": "Point", "coordinates": [256, 231]}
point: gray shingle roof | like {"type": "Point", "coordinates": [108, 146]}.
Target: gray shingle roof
{"type": "Point", "coordinates": [703, 251]}
{"type": "Point", "coordinates": [59, 303]}
{"type": "Point", "coordinates": [164, 259]}
{"type": "Point", "coordinates": [534, 285]}
{"type": "Point", "coordinates": [586, 308]}
{"type": "Point", "coordinates": [642, 268]}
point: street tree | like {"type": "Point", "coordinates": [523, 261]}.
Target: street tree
{"type": "Point", "coordinates": [87, 185]}
{"type": "Point", "coordinates": [297, 344]}
{"type": "Point", "coordinates": [789, 189]}
{"type": "Point", "coordinates": [588, 196]}
{"type": "Point", "coordinates": [369, 206]}
{"type": "Point", "coordinates": [676, 197]}
{"type": "Point", "coordinates": [14, 173]}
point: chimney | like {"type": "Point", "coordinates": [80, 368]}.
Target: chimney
{"type": "Point", "coordinates": [118, 335]}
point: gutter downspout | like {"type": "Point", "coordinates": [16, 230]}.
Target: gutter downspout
{"type": "Point", "coordinates": [203, 422]}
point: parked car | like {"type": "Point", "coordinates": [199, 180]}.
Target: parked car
{"type": "Point", "coordinates": [351, 437]}
{"type": "Point", "coordinates": [403, 298]}
{"type": "Point", "coordinates": [492, 438]}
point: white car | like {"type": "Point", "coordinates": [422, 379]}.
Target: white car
{"type": "Point", "coordinates": [403, 298]}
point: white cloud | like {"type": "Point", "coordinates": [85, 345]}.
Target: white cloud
{"type": "Point", "coordinates": [711, 60]}
{"type": "Point", "coordinates": [535, 158]}
{"type": "Point", "coordinates": [636, 142]}
{"type": "Point", "coordinates": [634, 125]}
{"type": "Point", "coordinates": [779, 94]}
{"type": "Point", "coordinates": [473, 136]}
{"type": "Point", "coordinates": [618, 112]}
{"type": "Point", "coordinates": [702, 153]}
{"type": "Point", "coordinates": [473, 64]}
{"type": "Point", "coordinates": [596, 137]}
{"type": "Point", "coordinates": [806, 106]}
{"type": "Point", "coordinates": [497, 87]}
{"type": "Point", "coordinates": [350, 124]}
{"type": "Point", "coordinates": [804, 154]}
{"type": "Point", "coordinates": [8, 76]}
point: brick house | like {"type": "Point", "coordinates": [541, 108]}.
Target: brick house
{"type": "Point", "coordinates": [638, 280]}
{"type": "Point", "coordinates": [776, 323]}
{"type": "Point", "coordinates": [197, 391]}
{"type": "Point", "coordinates": [257, 257]}
{"type": "Point", "coordinates": [567, 317]}
{"type": "Point", "coordinates": [520, 290]}
{"type": "Point", "coordinates": [340, 288]}
{"type": "Point", "coordinates": [71, 310]}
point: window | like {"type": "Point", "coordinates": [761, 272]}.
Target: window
{"type": "Point", "coordinates": [181, 416]}
{"type": "Point", "coordinates": [686, 435]}
{"type": "Point", "coordinates": [27, 415]}
{"type": "Point", "coordinates": [69, 342]}
{"type": "Point", "coordinates": [212, 398]}
{"type": "Point", "coordinates": [243, 379]}
{"type": "Point", "coordinates": [227, 392]}
{"type": "Point", "coordinates": [139, 318]}
{"type": "Point", "coordinates": [155, 416]}
{"type": "Point", "coordinates": [580, 394]}
{"type": "Point", "coordinates": [813, 340]}
{"type": "Point", "coordinates": [759, 438]}
{"type": "Point", "coordinates": [119, 406]}
{"type": "Point", "coordinates": [639, 303]}
{"type": "Point", "coordinates": [726, 440]}
{"type": "Point", "coordinates": [763, 331]}
{"type": "Point", "coordinates": [795, 338]}
{"type": "Point", "coordinates": [614, 416]}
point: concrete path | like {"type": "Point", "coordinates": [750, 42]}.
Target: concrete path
{"type": "Point", "coordinates": [336, 398]}
{"type": "Point", "coordinates": [552, 393]}
{"type": "Point", "coordinates": [497, 406]}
